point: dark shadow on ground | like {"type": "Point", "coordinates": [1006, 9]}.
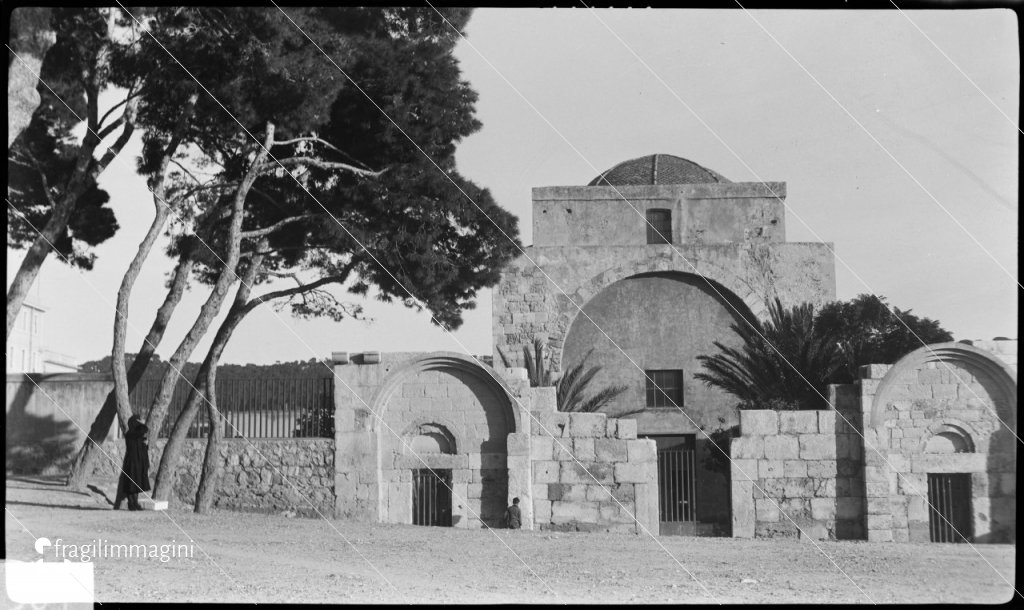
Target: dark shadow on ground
{"type": "Point", "coordinates": [50, 480]}
{"type": "Point", "coordinates": [97, 491]}
{"type": "Point", "coordinates": [42, 505]}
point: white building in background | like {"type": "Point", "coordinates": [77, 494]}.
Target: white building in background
{"type": "Point", "coordinates": [28, 348]}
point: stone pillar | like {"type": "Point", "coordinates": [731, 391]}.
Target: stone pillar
{"type": "Point", "coordinates": [878, 518]}
{"type": "Point", "coordinates": [520, 479]}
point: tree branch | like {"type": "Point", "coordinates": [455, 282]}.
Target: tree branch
{"type": "Point", "coordinates": [325, 143]}
{"type": "Point", "coordinates": [338, 278]}
{"type": "Point", "coordinates": [313, 162]}
{"type": "Point", "coordinates": [277, 225]}
{"type": "Point", "coordinates": [115, 149]}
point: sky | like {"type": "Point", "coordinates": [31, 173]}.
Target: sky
{"type": "Point", "coordinates": [890, 129]}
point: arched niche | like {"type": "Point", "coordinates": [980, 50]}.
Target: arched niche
{"type": "Point", "coordinates": [656, 321]}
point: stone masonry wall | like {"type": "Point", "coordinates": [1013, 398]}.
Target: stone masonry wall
{"type": "Point", "coordinates": [797, 473]}
{"type": "Point", "coordinates": [527, 304]}
{"type": "Point", "coordinates": [908, 406]}
{"type": "Point", "coordinates": [264, 476]}
{"type": "Point", "coordinates": [611, 485]}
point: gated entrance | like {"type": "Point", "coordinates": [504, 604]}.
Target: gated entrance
{"type": "Point", "coordinates": [432, 497]}
{"type": "Point", "coordinates": [677, 485]}
{"type": "Point", "coordinates": [949, 513]}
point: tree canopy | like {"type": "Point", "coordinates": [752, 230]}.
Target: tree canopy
{"type": "Point", "coordinates": [868, 333]}
{"type": "Point", "coordinates": [789, 360]}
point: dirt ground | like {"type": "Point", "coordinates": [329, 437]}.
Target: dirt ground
{"type": "Point", "coordinates": [273, 559]}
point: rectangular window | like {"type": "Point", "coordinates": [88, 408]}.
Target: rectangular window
{"type": "Point", "coordinates": [664, 388]}
{"type": "Point", "coordinates": [659, 226]}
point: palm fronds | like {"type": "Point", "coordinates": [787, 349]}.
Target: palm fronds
{"type": "Point", "coordinates": [571, 389]}
{"type": "Point", "coordinates": [785, 360]}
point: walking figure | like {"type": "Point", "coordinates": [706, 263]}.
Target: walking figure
{"type": "Point", "coordinates": [134, 477]}
{"type": "Point", "coordinates": [513, 516]}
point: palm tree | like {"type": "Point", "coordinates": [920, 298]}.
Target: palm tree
{"type": "Point", "coordinates": [571, 388]}
{"type": "Point", "coordinates": [782, 362]}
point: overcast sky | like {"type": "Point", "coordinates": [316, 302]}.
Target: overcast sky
{"type": "Point", "coordinates": [919, 198]}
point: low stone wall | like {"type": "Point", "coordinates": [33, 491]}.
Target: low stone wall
{"type": "Point", "coordinates": [613, 485]}
{"type": "Point", "coordinates": [797, 473]}
{"type": "Point", "coordinates": [262, 475]}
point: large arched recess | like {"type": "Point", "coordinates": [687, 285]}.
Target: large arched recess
{"type": "Point", "coordinates": [662, 320]}
{"type": "Point", "coordinates": [474, 407]}
{"type": "Point", "coordinates": [457, 365]}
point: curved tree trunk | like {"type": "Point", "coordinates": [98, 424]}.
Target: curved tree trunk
{"type": "Point", "coordinates": [212, 463]}
{"type": "Point", "coordinates": [212, 466]}
{"type": "Point", "coordinates": [117, 366]}
{"type": "Point", "coordinates": [203, 391]}
{"type": "Point", "coordinates": [209, 310]}
{"type": "Point", "coordinates": [85, 173]}
{"type": "Point", "coordinates": [82, 467]}
{"type": "Point", "coordinates": [32, 36]}
{"type": "Point", "coordinates": [164, 482]}
{"type": "Point", "coordinates": [124, 292]}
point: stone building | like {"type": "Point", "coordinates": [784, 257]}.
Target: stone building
{"type": "Point", "coordinates": [922, 450]}
{"type": "Point", "coordinates": [442, 439]}
{"type": "Point", "coordinates": [648, 266]}
{"type": "Point", "coordinates": [639, 273]}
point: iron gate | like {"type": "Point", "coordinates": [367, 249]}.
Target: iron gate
{"type": "Point", "coordinates": [677, 485]}
{"type": "Point", "coordinates": [949, 511]}
{"type": "Point", "coordinates": [432, 497]}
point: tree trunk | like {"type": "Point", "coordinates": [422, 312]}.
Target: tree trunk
{"type": "Point", "coordinates": [117, 366]}
{"type": "Point", "coordinates": [209, 310]}
{"type": "Point", "coordinates": [82, 467]}
{"type": "Point", "coordinates": [124, 292]}
{"type": "Point", "coordinates": [31, 38]}
{"type": "Point", "coordinates": [34, 259]}
{"type": "Point", "coordinates": [86, 171]}
{"type": "Point", "coordinates": [164, 483]}
{"type": "Point", "coordinates": [212, 462]}
{"type": "Point", "coordinates": [202, 391]}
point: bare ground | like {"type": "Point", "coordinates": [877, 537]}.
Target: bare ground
{"type": "Point", "coordinates": [272, 559]}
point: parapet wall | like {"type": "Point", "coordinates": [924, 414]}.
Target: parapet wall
{"type": "Point", "coordinates": [591, 473]}
{"type": "Point", "coordinates": [798, 473]}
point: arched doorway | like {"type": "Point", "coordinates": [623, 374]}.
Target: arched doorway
{"type": "Point", "coordinates": [442, 443]}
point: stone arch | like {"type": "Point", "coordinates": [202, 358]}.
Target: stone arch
{"type": "Point", "coordinates": [913, 396]}
{"type": "Point", "coordinates": [451, 361]}
{"type": "Point", "coordinates": [724, 284]}
{"type": "Point", "coordinates": [1001, 380]}
{"type": "Point", "coordinates": [435, 430]}
{"type": "Point", "coordinates": [957, 436]}
{"type": "Point", "coordinates": [466, 407]}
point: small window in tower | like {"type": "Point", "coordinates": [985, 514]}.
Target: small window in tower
{"type": "Point", "coordinates": [659, 226]}
{"type": "Point", "coordinates": [664, 388]}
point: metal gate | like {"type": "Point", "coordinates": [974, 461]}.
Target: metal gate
{"type": "Point", "coordinates": [432, 497]}
{"type": "Point", "coordinates": [949, 513]}
{"type": "Point", "coordinates": [677, 485]}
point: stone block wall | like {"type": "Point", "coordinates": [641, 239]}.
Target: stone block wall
{"type": "Point", "coordinates": [261, 475]}
{"type": "Point", "coordinates": [795, 474]}
{"type": "Point", "coordinates": [946, 410]}
{"type": "Point", "coordinates": [591, 473]}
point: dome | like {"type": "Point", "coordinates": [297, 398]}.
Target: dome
{"type": "Point", "coordinates": [657, 169]}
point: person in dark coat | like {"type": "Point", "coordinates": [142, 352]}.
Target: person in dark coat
{"type": "Point", "coordinates": [513, 516]}
{"type": "Point", "coordinates": [134, 477]}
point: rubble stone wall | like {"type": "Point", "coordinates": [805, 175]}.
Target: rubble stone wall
{"type": "Point", "coordinates": [261, 475]}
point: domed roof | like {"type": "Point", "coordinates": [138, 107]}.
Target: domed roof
{"type": "Point", "coordinates": [657, 169]}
